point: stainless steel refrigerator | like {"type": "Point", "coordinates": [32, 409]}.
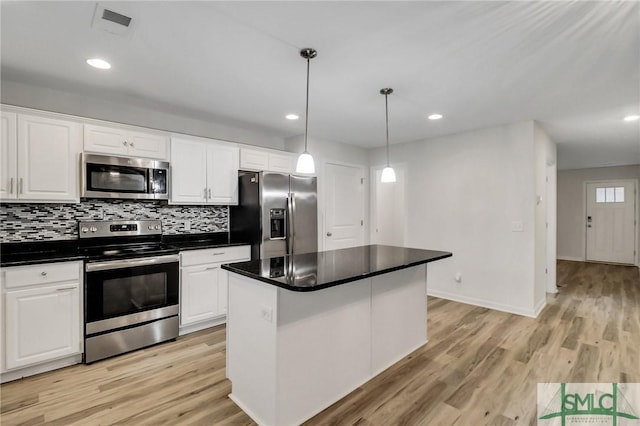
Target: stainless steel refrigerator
{"type": "Point", "coordinates": [277, 213]}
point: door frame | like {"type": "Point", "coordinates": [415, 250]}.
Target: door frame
{"type": "Point", "coordinates": [322, 188]}
{"type": "Point", "coordinates": [373, 197]}
{"type": "Point", "coordinates": [635, 205]}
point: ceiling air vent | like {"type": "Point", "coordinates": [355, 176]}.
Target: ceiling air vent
{"type": "Point", "coordinates": [118, 22]}
{"type": "Point", "coordinates": [112, 16]}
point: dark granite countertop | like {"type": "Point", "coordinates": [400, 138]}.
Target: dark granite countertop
{"type": "Point", "coordinates": [315, 271]}
{"type": "Point", "coordinates": [17, 254]}
{"type": "Point", "coordinates": [34, 252]}
{"type": "Point", "coordinates": [200, 241]}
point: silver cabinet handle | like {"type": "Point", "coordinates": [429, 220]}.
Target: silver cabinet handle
{"type": "Point", "coordinates": [205, 193]}
{"type": "Point", "coordinates": [20, 186]}
{"type": "Point", "coordinates": [124, 143]}
{"type": "Point", "coordinates": [11, 186]}
{"type": "Point", "coordinates": [131, 144]}
{"type": "Point", "coordinates": [218, 254]}
{"type": "Point", "coordinates": [329, 234]}
{"type": "Point", "coordinates": [209, 193]}
{"type": "Point", "coordinates": [65, 288]}
{"type": "Point", "coordinates": [211, 269]}
{"type": "Point", "coordinates": [43, 273]}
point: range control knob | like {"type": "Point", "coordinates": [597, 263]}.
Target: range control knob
{"type": "Point", "coordinates": [93, 229]}
{"type": "Point", "coordinates": [84, 229]}
{"type": "Point", "coordinates": [150, 227]}
{"type": "Point", "coordinates": [157, 227]}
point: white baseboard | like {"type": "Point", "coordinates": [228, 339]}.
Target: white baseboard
{"type": "Point", "coordinates": [191, 328]}
{"type": "Point", "coordinates": [540, 306]}
{"type": "Point", "coordinates": [484, 303]}
{"type": "Point", "coordinates": [573, 259]}
{"type": "Point", "coordinates": [40, 368]}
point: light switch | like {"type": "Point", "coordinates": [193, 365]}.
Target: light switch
{"type": "Point", "coordinates": [517, 226]}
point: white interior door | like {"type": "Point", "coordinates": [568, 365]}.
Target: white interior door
{"type": "Point", "coordinates": [344, 208]}
{"type": "Point", "coordinates": [388, 209]}
{"type": "Point", "coordinates": [611, 231]}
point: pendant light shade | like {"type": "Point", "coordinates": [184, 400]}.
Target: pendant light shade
{"type": "Point", "coordinates": [305, 161]}
{"type": "Point", "coordinates": [388, 174]}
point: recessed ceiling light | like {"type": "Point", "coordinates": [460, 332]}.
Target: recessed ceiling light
{"type": "Point", "coordinates": [632, 118]}
{"type": "Point", "coordinates": [435, 117]}
{"type": "Point", "coordinates": [291, 117]}
{"type": "Point", "coordinates": [99, 63]}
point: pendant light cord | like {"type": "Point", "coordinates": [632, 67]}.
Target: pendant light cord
{"type": "Point", "coordinates": [386, 111]}
{"type": "Point", "coordinates": [306, 114]}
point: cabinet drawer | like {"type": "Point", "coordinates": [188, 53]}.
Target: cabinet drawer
{"type": "Point", "coordinates": [22, 276]}
{"type": "Point", "coordinates": [217, 255]}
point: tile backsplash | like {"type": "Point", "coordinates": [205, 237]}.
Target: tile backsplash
{"type": "Point", "coordinates": [37, 222]}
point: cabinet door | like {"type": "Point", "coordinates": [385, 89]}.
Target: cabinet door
{"type": "Point", "coordinates": [8, 144]}
{"type": "Point", "coordinates": [48, 159]}
{"type": "Point", "coordinates": [222, 174]}
{"type": "Point", "coordinates": [253, 159]}
{"type": "Point", "coordinates": [148, 145]}
{"type": "Point", "coordinates": [281, 163]}
{"type": "Point", "coordinates": [199, 293]}
{"type": "Point", "coordinates": [188, 171]}
{"type": "Point", "coordinates": [42, 324]}
{"type": "Point", "coordinates": [105, 140]}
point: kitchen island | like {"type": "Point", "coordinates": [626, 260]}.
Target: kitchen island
{"type": "Point", "coordinates": [305, 330]}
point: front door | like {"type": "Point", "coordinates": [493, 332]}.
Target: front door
{"type": "Point", "coordinates": [344, 218]}
{"type": "Point", "coordinates": [610, 221]}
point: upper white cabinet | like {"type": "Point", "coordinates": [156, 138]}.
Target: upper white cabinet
{"type": "Point", "coordinates": [42, 313]}
{"type": "Point", "coordinates": [273, 161]}
{"type": "Point", "coordinates": [203, 171]}
{"type": "Point", "coordinates": [125, 142]}
{"type": "Point", "coordinates": [40, 158]}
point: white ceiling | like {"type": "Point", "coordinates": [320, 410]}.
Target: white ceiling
{"type": "Point", "coordinates": [573, 66]}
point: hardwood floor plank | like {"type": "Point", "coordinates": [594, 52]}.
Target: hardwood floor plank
{"type": "Point", "coordinates": [480, 367]}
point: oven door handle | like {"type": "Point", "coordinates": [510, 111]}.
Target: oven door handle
{"type": "Point", "coordinates": [129, 263]}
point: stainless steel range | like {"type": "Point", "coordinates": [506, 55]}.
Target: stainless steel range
{"type": "Point", "coordinates": [131, 287]}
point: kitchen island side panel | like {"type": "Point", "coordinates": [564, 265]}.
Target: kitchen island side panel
{"type": "Point", "coordinates": [398, 316]}
{"type": "Point", "coordinates": [324, 348]}
{"type": "Point", "coordinates": [251, 347]}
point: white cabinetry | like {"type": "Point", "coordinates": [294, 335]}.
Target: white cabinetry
{"type": "Point", "coordinates": [273, 161]}
{"type": "Point", "coordinates": [42, 313]}
{"type": "Point", "coordinates": [125, 142]}
{"type": "Point", "coordinates": [40, 158]}
{"type": "Point", "coordinates": [203, 171]}
{"type": "Point", "coordinates": [203, 285]}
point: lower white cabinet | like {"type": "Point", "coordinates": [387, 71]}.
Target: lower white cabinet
{"type": "Point", "coordinates": [203, 285]}
{"type": "Point", "coordinates": [42, 313]}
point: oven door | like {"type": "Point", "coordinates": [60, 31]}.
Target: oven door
{"type": "Point", "coordinates": [121, 293]}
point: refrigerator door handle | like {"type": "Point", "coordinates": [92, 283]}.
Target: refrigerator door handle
{"type": "Point", "coordinates": [291, 210]}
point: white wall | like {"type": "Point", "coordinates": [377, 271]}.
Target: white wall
{"type": "Point", "coordinates": [464, 191]}
{"type": "Point", "coordinates": [546, 155]}
{"type": "Point", "coordinates": [133, 111]}
{"type": "Point", "coordinates": [571, 205]}
{"type": "Point", "coordinates": [324, 152]}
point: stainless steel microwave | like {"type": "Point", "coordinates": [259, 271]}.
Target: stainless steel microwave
{"type": "Point", "coordinates": [104, 176]}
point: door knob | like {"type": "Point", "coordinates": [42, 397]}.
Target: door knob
{"type": "Point", "coordinates": [329, 234]}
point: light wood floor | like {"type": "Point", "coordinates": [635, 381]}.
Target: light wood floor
{"type": "Point", "coordinates": [479, 367]}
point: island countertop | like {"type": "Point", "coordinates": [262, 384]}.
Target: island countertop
{"type": "Point", "coordinates": [319, 270]}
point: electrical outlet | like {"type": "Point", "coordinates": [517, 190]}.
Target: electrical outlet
{"type": "Point", "coordinates": [187, 225]}
{"type": "Point", "coordinates": [266, 312]}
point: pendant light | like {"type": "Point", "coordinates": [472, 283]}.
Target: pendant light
{"type": "Point", "coordinates": [305, 161]}
{"type": "Point", "coordinates": [388, 174]}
